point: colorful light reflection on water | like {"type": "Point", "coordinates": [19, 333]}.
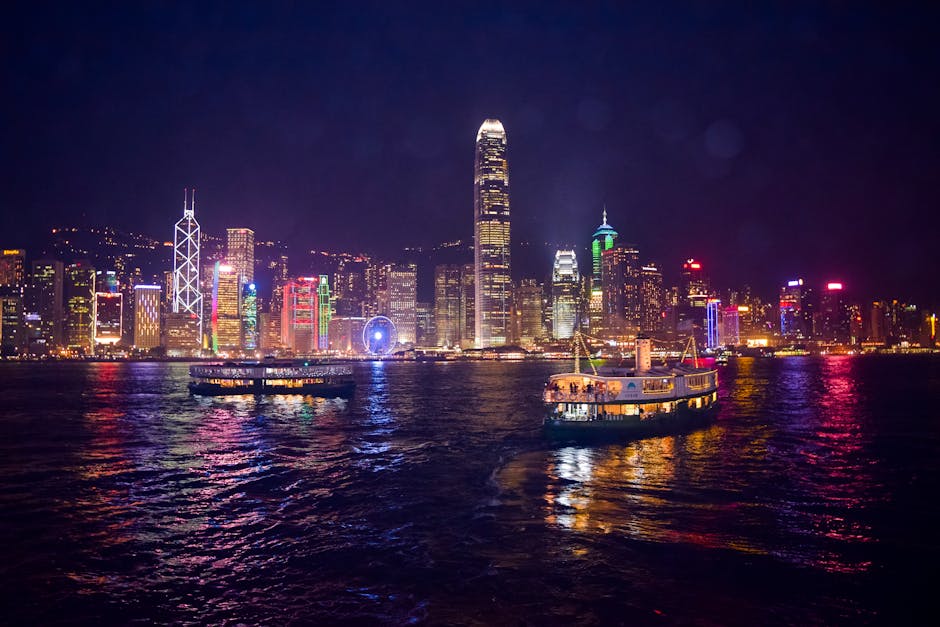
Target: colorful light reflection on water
{"type": "Point", "coordinates": [431, 495]}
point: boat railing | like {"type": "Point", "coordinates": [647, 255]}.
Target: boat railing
{"type": "Point", "coordinates": [558, 396]}
{"type": "Point", "coordinates": [258, 372]}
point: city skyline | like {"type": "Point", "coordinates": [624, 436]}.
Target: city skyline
{"type": "Point", "coordinates": [814, 153]}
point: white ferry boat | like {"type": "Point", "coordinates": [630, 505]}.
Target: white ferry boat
{"type": "Point", "coordinates": [639, 401]}
{"type": "Point", "coordinates": [272, 377]}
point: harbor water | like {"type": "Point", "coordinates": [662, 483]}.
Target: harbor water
{"type": "Point", "coordinates": [431, 497]}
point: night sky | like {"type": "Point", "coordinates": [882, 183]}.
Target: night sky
{"type": "Point", "coordinates": [769, 142]}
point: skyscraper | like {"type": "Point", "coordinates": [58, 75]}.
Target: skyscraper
{"type": "Point", "coordinates": [467, 305]}
{"type": "Point", "coordinates": [529, 303]}
{"type": "Point", "coordinates": [402, 301]}
{"type": "Point", "coordinates": [652, 299]}
{"type": "Point", "coordinates": [299, 313]}
{"type": "Point", "coordinates": [491, 236]}
{"type": "Point", "coordinates": [44, 305]}
{"type": "Point", "coordinates": [187, 297]}
{"type": "Point", "coordinates": [833, 314]}
{"type": "Point", "coordinates": [240, 253]}
{"type": "Point", "coordinates": [146, 316]}
{"type": "Point", "coordinates": [226, 309]}
{"type": "Point", "coordinates": [603, 239]}
{"type": "Point", "coordinates": [324, 312]}
{"type": "Point", "coordinates": [109, 314]}
{"type": "Point", "coordinates": [80, 306]}
{"type": "Point", "coordinates": [447, 304]}
{"type": "Point", "coordinates": [249, 316]}
{"type": "Point", "coordinates": [620, 283]}
{"type": "Point", "coordinates": [793, 322]}
{"type": "Point", "coordinates": [566, 294]}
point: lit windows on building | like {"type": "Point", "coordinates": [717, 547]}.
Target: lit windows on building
{"type": "Point", "coordinates": [492, 284]}
{"type": "Point", "coordinates": [240, 253]}
{"type": "Point", "coordinates": [324, 312]}
{"type": "Point", "coordinates": [529, 297]}
{"type": "Point", "coordinates": [146, 316]}
{"type": "Point", "coordinates": [447, 305]}
{"type": "Point", "coordinates": [652, 299]}
{"type": "Point", "coordinates": [249, 316]}
{"type": "Point", "coordinates": [44, 306]}
{"type": "Point", "coordinates": [109, 314]}
{"type": "Point", "coordinates": [299, 316]}
{"type": "Point", "coordinates": [12, 267]}
{"type": "Point", "coordinates": [226, 309]}
{"type": "Point", "coordinates": [79, 292]}
{"type": "Point", "coordinates": [621, 291]}
{"type": "Point", "coordinates": [402, 301]}
{"type": "Point", "coordinates": [566, 294]}
{"type": "Point", "coordinates": [712, 319]}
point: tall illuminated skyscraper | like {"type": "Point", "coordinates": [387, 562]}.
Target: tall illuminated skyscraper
{"type": "Point", "coordinates": [403, 301]}
{"type": "Point", "coordinates": [603, 239]}
{"type": "Point", "coordinates": [44, 305]}
{"type": "Point", "coordinates": [491, 236]}
{"type": "Point", "coordinates": [249, 316]}
{"type": "Point", "coordinates": [324, 312]}
{"type": "Point", "coordinates": [447, 304]}
{"type": "Point", "coordinates": [652, 299]}
{"type": "Point", "coordinates": [226, 309]}
{"type": "Point", "coordinates": [566, 294]}
{"type": "Point", "coordinates": [240, 253]}
{"type": "Point", "coordinates": [80, 307]}
{"type": "Point", "coordinates": [186, 295]}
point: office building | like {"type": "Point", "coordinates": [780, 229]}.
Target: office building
{"type": "Point", "coordinates": [566, 294]}
{"type": "Point", "coordinates": [467, 306]}
{"type": "Point", "coordinates": [402, 301]}
{"type": "Point", "coordinates": [226, 309]}
{"type": "Point", "coordinates": [79, 294]}
{"type": "Point", "coordinates": [240, 253]}
{"type": "Point", "coordinates": [44, 306]}
{"type": "Point", "coordinates": [300, 316]}
{"type": "Point", "coordinates": [492, 282]}
{"type": "Point", "coordinates": [528, 299]}
{"type": "Point", "coordinates": [146, 316]}
{"type": "Point", "coordinates": [249, 317]}
{"type": "Point", "coordinates": [833, 315]}
{"type": "Point", "coordinates": [652, 300]}
{"type": "Point", "coordinates": [109, 317]}
{"type": "Point", "coordinates": [181, 334]}
{"type": "Point", "coordinates": [603, 239]}
{"type": "Point", "coordinates": [12, 267]}
{"type": "Point", "coordinates": [621, 292]}
{"type": "Point", "coordinates": [187, 295]}
{"type": "Point", "coordinates": [324, 312]}
{"type": "Point", "coordinates": [447, 305]}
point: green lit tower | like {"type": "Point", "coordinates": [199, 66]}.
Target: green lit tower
{"type": "Point", "coordinates": [603, 239]}
{"type": "Point", "coordinates": [325, 312]}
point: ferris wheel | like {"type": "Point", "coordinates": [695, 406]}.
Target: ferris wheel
{"type": "Point", "coordinates": [379, 336]}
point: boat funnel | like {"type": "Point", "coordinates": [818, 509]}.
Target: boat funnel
{"type": "Point", "coordinates": [644, 354]}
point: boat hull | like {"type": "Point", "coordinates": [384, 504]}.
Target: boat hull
{"type": "Point", "coordinates": [630, 427]}
{"type": "Point", "coordinates": [323, 390]}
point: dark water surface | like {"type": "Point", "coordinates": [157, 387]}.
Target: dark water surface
{"type": "Point", "coordinates": [431, 497]}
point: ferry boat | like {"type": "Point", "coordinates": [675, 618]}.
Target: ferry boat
{"type": "Point", "coordinates": [635, 402]}
{"type": "Point", "coordinates": [272, 377]}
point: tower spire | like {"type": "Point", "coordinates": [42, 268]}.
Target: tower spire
{"type": "Point", "coordinates": [605, 214]}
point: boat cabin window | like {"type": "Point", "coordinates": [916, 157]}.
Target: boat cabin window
{"type": "Point", "coordinates": [656, 386]}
